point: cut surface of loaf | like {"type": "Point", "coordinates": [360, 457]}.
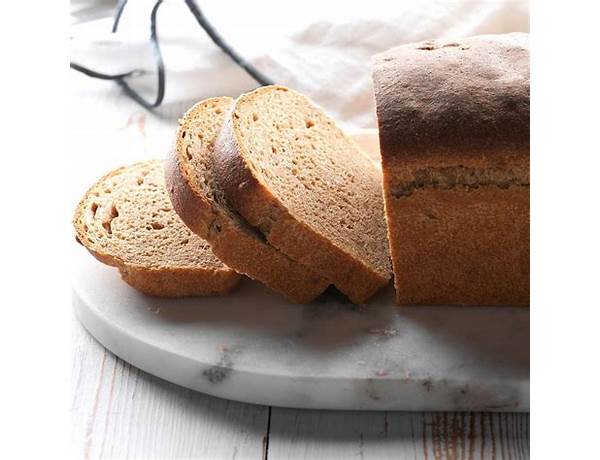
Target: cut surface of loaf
{"type": "Point", "coordinates": [291, 172]}
{"type": "Point", "coordinates": [453, 122]}
{"type": "Point", "coordinates": [200, 202]}
{"type": "Point", "coordinates": [126, 220]}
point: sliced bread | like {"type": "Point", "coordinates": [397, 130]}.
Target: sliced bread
{"type": "Point", "coordinates": [201, 204]}
{"type": "Point", "coordinates": [290, 171]}
{"type": "Point", "coordinates": [126, 220]}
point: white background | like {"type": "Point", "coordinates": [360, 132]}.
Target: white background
{"type": "Point", "coordinates": [37, 211]}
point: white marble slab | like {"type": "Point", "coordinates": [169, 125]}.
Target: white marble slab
{"type": "Point", "coordinates": [255, 347]}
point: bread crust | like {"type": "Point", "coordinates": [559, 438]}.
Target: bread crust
{"type": "Point", "coordinates": [454, 99]}
{"type": "Point", "coordinates": [160, 282]}
{"type": "Point", "coordinates": [454, 134]}
{"type": "Point", "coordinates": [253, 199]}
{"type": "Point", "coordinates": [172, 282]}
{"type": "Point", "coordinates": [461, 247]}
{"type": "Point", "coordinates": [238, 246]}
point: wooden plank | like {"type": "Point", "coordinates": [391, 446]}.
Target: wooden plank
{"type": "Point", "coordinates": [398, 435]}
{"type": "Point", "coordinates": [119, 411]}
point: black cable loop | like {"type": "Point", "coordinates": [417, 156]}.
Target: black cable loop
{"type": "Point", "coordinates": [120, 79]}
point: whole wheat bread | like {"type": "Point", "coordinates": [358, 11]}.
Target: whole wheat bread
{"type": "Point", "coordinates": [201, 204]}
{"type": "Point", "coordinates": [291, 172]}
{"type": "Point", "coordinates": [454, 134]}
{"type": "Point", "coordinates": [126, 220]}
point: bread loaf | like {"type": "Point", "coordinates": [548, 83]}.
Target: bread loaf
{"type": "Point", "coordinates": [454, 136]}
{"type": "Point", "coordinates": [126, 220]}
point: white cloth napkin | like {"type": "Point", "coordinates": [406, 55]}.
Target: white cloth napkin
{"type": "Point", "coordinates": [322, 49]}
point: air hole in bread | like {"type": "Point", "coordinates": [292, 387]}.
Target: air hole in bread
{"type": "Point", "coordinates": [188, 152]}
{"type": "Point", "coordinates": [183, 134]}
{"type": "Point", "coordinates": [157, 225]}
{"type": "Point", "coordinates": [184, 242]}
{"type": "Point", "coordinates": [107, 190]}
{"type": "Point", "coordinates": [140, 180]}
{"type": "Point", "coordinates": [273, 149]}
{"type": "Point", "coordinates": [310, 123]}
{"type": "Point", "coordinates": [94, 208]}
{"type": "Point", "coordinates": [107, 224]}
{"type": "Point", "coordinates": [218, 111]}
{"type": "Point", "coordinates": [255, 116]}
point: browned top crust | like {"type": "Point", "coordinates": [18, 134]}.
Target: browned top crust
{"type": "Point", "coordinates": [462, 97]}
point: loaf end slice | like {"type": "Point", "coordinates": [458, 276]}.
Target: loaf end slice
{"type": "Point", "coordinates": [126, 220]}
{"type": "Point", "coordinates": [202, 205]}
{"type": "Point", "coordinates": [291, 172]}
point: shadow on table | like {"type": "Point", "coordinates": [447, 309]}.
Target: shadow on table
{"type": "Point", "coordinates": [495, 336]}
{"type": "Point", "coordinates": [330, 321]}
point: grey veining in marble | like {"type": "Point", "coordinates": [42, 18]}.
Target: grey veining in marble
{"type": "Point", "coordinates": [253, 346]}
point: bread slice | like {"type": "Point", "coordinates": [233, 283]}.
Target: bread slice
{"type": "Point", "coordinates": [199, 201]}
{"type": "Point", "coordinates": [126, 220]}
{"type": "Point", "coordinates": [291, 172]}
{"type": "Point", "coordinates": [454, 135]}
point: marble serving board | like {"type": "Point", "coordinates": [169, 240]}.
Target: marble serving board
{"type": "Point", "coordinates": [256, 347]}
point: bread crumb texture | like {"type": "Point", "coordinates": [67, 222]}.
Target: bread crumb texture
{"type": "Point", "coordinates": [315, 171]}
{"type": "Point", "coordinates": [126, 220]}
{"type": "Point", "coordinates": [128, 214]}
{"type": "Point", "coordinates": [201, 203]}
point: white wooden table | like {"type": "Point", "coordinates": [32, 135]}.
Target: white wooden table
{"type": "Point", "coordinates": [121, 412]}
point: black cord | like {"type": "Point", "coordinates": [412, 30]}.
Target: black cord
{"type": "Point", "coordinates": [103, 76]}
{"type": "Point", "coordinates": [120, 79]}
{"type": "Point", "coordinates": [160, 66]}
{"type": "Point", "coordinates": [218, 40]}
{"type": "Point", "coordinates": [118, 13]}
